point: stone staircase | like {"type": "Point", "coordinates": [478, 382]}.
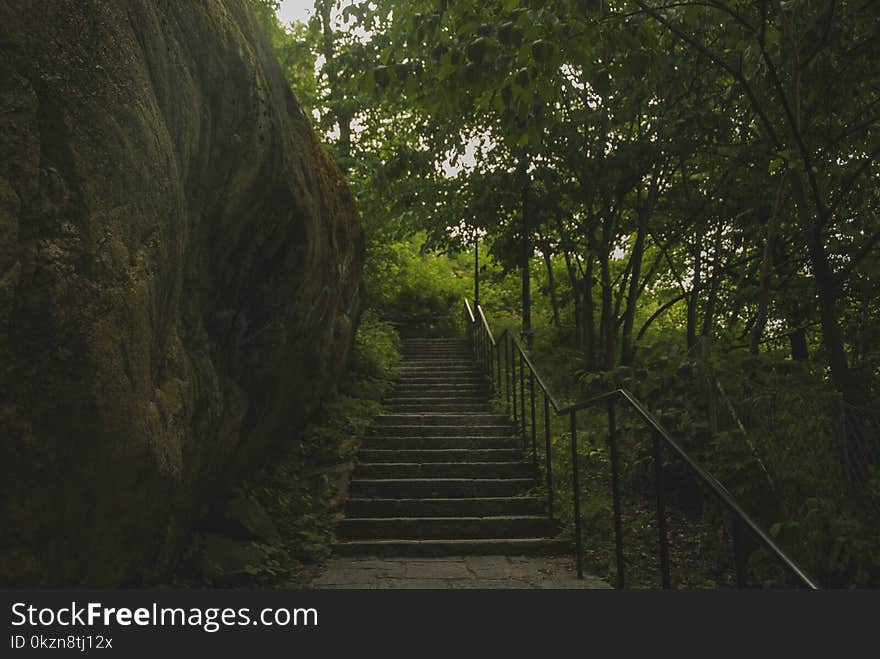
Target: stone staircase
{"type": "Point", "coordinates": [440, 474]}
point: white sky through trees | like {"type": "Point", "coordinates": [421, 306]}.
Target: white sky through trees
{"type": "Point", "coordinates": [295, 10]}
{"type": "Point", "coordinates": [301, 10]}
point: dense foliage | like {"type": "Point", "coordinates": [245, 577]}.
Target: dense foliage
{"type": "Point", "coordinates": [681, 198]}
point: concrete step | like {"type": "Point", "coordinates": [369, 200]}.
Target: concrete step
{"type": "Point", "coordinates": [374, 470]}
{"type": "Point", "coordinates": [451, 363]}
{"type": "Point", "coordinates": [415, 488]}
{"type": "Point", "coordinates": [442, 380]}
{"type": "Point", "coordinates": [447, 442]}
{"type": "Point", "coordinates": [435, 340]}
{"type": "Point", "coordinates": [437, 396]}
{"type": "Point", "coordinates": [443, 419]}
{"type": "Point", "coordinates": [429, 408]}
{"type": "Point", "coordinates": [450, 388]}
{"type": "Point", "coordinates": [421, 430]}
{"type": "Point", "coordinates": [480, 393]}
{"type": "Point", "coordinates": [465, 507]}
{"type": "Point", "coordinates": [459, 547]}
{"type": "Point", "coordinates": [402, 397]}
{"type": "Point", "coordinates": [448, 528]}
{"type": "Point", "coordinates": [415, 376]}
{"type": "Point", "coordinates": [441, 455]}
{"type": "Point", "coordinates": [451, 347]}
{"type": "Point", "coordinates": [407, 368]}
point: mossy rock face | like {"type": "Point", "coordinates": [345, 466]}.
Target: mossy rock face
{"type": "Point", "coordinates": [242, 517]}
{"type": "Point", "coordinates": [179, 275]}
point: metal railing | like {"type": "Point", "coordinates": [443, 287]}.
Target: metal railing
{"type": "Point", "coordinates": [504, 360]}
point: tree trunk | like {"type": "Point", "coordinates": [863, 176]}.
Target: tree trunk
{"type": "Point", "coordinates": [551, 281]}
{"type": "Point", "coordinates": [693, 298]}
{"type": "Point", "coordinates": [328, 50]}
{"type": "Point", "coordinates": [525, 254]}
{"type": "Point", "coordinates": [757, 330]}
{"type": "Point", "coordinates": [629, 312]}
{"type": "Point", "coordinates": [575, 297]}
{"type": "Point", "coordinates": [609, 326]}
{"type": "Point", "coordinates": [589, 322]}
{"type": "Point", "coordinates": [827, 292]}
{"type": "Point", "coordinates": [712, 299]}
{"type": "Point", "coordinates": [798, 341]}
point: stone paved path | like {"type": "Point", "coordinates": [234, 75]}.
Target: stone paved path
{"type": "Point", "coordinates": [454, 572]}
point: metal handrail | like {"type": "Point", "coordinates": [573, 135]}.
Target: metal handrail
{"type": "Point", "coordinates": [470, 312]}
{"type": "Point", "coordinates": [485, 343]}
{"type": "Point", "coordinates": [486, 325]}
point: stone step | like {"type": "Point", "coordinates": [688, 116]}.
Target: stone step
{"type": "Point", "coordinates": [443, 367]}
{"type": "Point", "coordinates": [437, 396]}
{"type": "Point", "coordinates": [426, 349]}
{"type": "Point", "coordinates": [466, 507]}
{"type": "Point", "coordinates": [384, 470]}
{"type": "Point", "coordinates": [505, 430]}
{"type": "Point", "coordinates": [453, 388]}
{"type": "Point", "coordinates": [415, 488]}
{"type": "Point", "coordinates": [442, 419]}
{"type": "Point", "coordinates": [428, 375]}
{"type": "Point", "coordinates": [443, 380]}
{"type": "Point", "coordinates": [429, 408]}
{"type": "Point", "coordinates": [406, 368]}
{"type": "Point", "coordinates": [441, 455]}
{"type": "Point", "coordinates": [402, 397]}
{"type": "Point", "coordinates": [447, 528]}
{"type": "Point", "coordinates": [463, 351]}
{"type": "Point", "coordinates": [459, 547]}
{"type": "Point", "coordinates": [451, 363]}
{"type": "Point", "coordinates": [455, 442]}
{"type": "Point", "coordinates": [445, 391]}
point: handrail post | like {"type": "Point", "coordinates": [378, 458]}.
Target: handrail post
{"type": "Point", "coordinates": [490, 359]}
{"type": "Point", "coordinates": [739, 556]}
{"type": "Point", "coordinates": [513, 372]}
{"type": "Point", "coordinates": [576, 491]}
{"type": "Point", "coordinates": [615, 494]}
{"type": "Point", "coordinates": [661, 512]}
{"type": "Point", "coordinates": [498, 366]}
{"type": "Point", "coordinates": [477, 343]}
{"type": "Point", "coordinates": [507, 368]}
{"type": "Point", "coordinates": [548, 454]}
{"type": "Point", "coordinates": [485, 350]}
{"type": "Point", "coordinates": [534, 425]}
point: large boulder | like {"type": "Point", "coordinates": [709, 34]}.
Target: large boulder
{"type": "Point", "coordinates": [179, 276]}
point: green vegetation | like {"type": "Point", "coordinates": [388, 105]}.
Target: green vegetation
{"type": "Point", "coordinates": [691, 190]}
{"type": "Point", "coordinates": [301, 485]}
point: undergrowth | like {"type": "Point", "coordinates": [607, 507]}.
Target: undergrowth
{"type": "Point", "coordinates": [769, 438]}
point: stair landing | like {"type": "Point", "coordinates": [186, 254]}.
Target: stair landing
{"type": "Point", "coordinates": [483, 572]}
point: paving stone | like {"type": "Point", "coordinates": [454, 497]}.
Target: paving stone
{"type": "Point", "coordinates": [454, 572]}
{"type": "Point", "coordinates": [444, 570]}
{"type": "Point", "coordinates": [500, 570]}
